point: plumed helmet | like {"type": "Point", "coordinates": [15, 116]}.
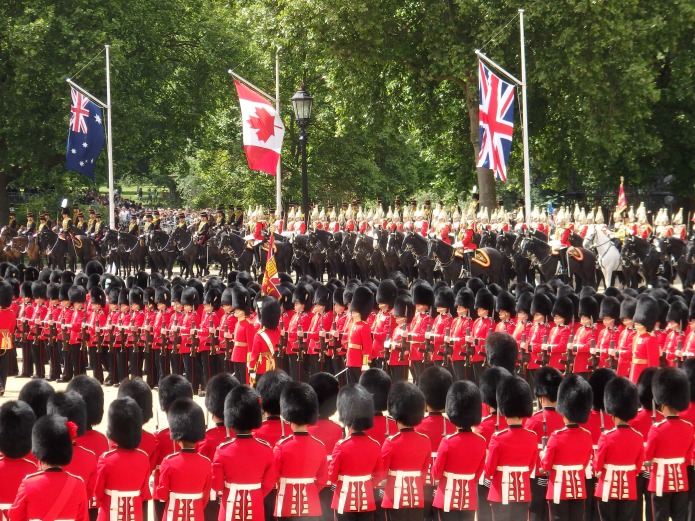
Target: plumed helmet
{"type": "Point", "coordinates": [362, 302]}
{"type": "Point", "coordinates": [125, 423]}
{"type": "Point", "coordinates": [506, 302]}
{"type": "Point", "coordinates": [574, 399]}
{"type": "Point", "coordinates": [138, 390]}
{"type": "Point", "coordinates": [423, 294]}
{"type": "Point", "coordinates": [299, 404]}
{"type": "Point", "coordinates": [646, 312]}
{"type": "Point", "coordinates": [51, 441]}
{"type": "Point", "coordinates": [186, 421]}
{"type": "Point", "coordinates": [387, 293]}
{"type": "Point", "coordinates": [270, 313]}
{"type": "Point", "coordinates": [172, 387]}
{"type": "Point", "coordinates": [489, 381]}
{"type": "Point", "coordinates": [36, 393]}
{"type": "Point", "coordinates": [378, 384]}
{"type": "Point", "coordinates": [610, 307]}
{"type": "Point", "coordinates": [514, 397]}
{"type": "Point", "coordinates": [326, 387]}
{"type": "Point", "coordinates": [671, 387]}
{"type": "Point", "coordinates": [16, 421]}
{"type": "Point", "coordinates": [71, 405]}
{"type": "Point", "coordinates": [217, 389]}
{"type": "Point", "coordinates": [485, 300]}
{"type": "Point", "coordinates": [627, 308]}
{"type": "Point", "coordinates": [270, 386]}
{"type": "Point", "coordinates": [464, 404]}
{"type": "Point", "coordinates": [546, 383]}
{"type": "Point", "coordinates": [563, 307]}
{"type": "Point", "coordinates": [465, 298]}
{"type": "Point", "coordinates": [93, 395]}
{"type": "Point", "coordinates": [434, 383]}
{"type": "Point", "coordinates": [355, 407]}
{"type": "Point", "coordinates": [621, 399]}
{"type": "Point", "coordinates": [406, 404]}
{"type": "Point", "coordinates": [502, 350]}
{"type": "Point", "coordinates": [542, 304]}
{"type": "Point", "coordinates": [242, 409]}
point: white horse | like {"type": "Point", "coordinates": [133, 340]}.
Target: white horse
{"type": "Point", "coordinates": [607, 252]}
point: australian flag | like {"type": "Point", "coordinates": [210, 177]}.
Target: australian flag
{"type": "Point", "coordinates": [86, 135]}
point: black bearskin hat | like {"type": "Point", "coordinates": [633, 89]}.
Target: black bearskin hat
{"type": "Point", "coordinates": [77, 294]}
{"type": "Point", "coordinates": [322, 297]}
{"type": "Point", "coordinates": [71, 405]}
{"type": "Point", "coordinates": [52, 292]}
{"type": "Point", "coordinates": [406, 404]}
{"type": "Point", "coordinates": [51, 441]}
{"type": "Point", "coordinates": [465, 298]}
{"type": "Point", "coordinates": [404, 307]}
{"type": "Point", "coordinates": [148, 293]}
{"type": "Point", "coordinates": [217, 389]}
{"type": "Point", "coordinates": [39, 290]}
{"type": "Point", "coordinates": [303, 294]}
{"type": "Point", "coordinates": [123, 297]}
{"type": "Point", "coordinates": [502, 350]}
{"type": "Point", "coordinates": [97, 296]}
{"type": "Point", "coordinates": [546, 382]}
{"type": "Point", "coordinates": [464, 404]}
{"type": "Point", "coordinates": [93, 266]}
{"type": "Point", "coordinates": [506, 302]}
{"type": "Point", "coordinates": [186, 421]}
{"type": "Point", "coordinates": [644, 387]}
{"type": "Point", "coordinates": [36, 393]}
{"type": "Point", "coordinates": [489, 381]}
{"type": "Point", "coordinates": [138, 390]}
{"type": "Point", "coordinates": [326, 386]}
{"type": "Point", "coordinates": [270, 386]}
{"type": "Point", "coordinates": [338, 296]}
{"type": "Point", "coordinates": [242, 409]}
{"type": "Point", "coordinates": [423, 294]}
{"type": "Point", "coordinates": [355, 407]}
{"type": "Point", "coordinates": [475, 285]}
{"type": "Point", "coordinates": [514, 397]}
{"type": "Point", "coordinates": [610, 307]}
{"type": "Point", "coordinates": [162, 295]}
{"type": "Point", "coordinates": [190, 297]}
{"type": "Point", "coordinates": [646, 312]}
{"type": "Point", "coordinates": [362, 302]}
{"type": "Point", "coordinates": [598, 381]}
{"type": "Point", "coordinates": [621, 399]}
{"type": "Point", "coordinates": [212, 297]}
{"type": "Point", "coordinates": [16, 421]}
{"type": "Point", "coordinates": [574, 399]}
{"type": "Point", "coordinates": [485, 300]}
{"type": "Point", "coordinates": [226, 299]}
{"type": "Point", "coordinates": [172, 387]}
{"type": "Point", "coordinates": [299, 404]}
{"type": "Point", "coordinates": [67, 277]}
{"type": "Point", "coordinates": [434, 383]}
{"type": "Point", "coordinates": [93, 395]}
{"type": "Point", "coordinates": [523, 303]}
{"type": "Point", "coordinates": [542, 304]}
{"type": "Point", "coordinates": [588, 307]}
{"type": "Point", "coordinates": [564, 308]}
{"type": "Point", "coordinates": [25, 289]}
{"type": "Point", "coordinates": [627, 308]}
{"type": "Point", "coordinates": [270, 313]}
{"type": "Point", "coordinates": [136, 296]}
{"type": "Point", "coordinates": [387, 293]}
{"type": "Point", "coordinates": [444, 298]}
{"type": "Point", "coordinates": [125, 423]}
{"type": "Point", "coordinates": [378, 383]}
{"type": "Point", "coordinates": [678, 312]}
{"type": "Point", "coordinates": [671, 387]}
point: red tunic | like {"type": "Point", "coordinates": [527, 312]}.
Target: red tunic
{"type": "Point", "coordinates": [674, 341]}
{"type": "Point", "coordinates": [489, 426]}
{"type": "Point", "coordinates": [34, 501]}
{"type": "Point", "coordinates": [441, 324]}
{"type": "Point", "coordinates": [406, 459]}
{"type": "Point", "coordinates": [539, 332]}
{"type": "Point", "coordinates": [435, 426]}
{"type": "Point", "coordinates": [321, 323]}
{"type": "Point", "coordinates": [553, 423]}
{"type": "Point", "coordinates": [384, 326]}
{"type": "Point", "coordinates": [626, 340]}
{"type": "Point", "coordinates": [243, 340]}
{"type": "Point", "coordinates": [122, 477]}
{"type": "Point", "coordinates": [79, 317]}
{"type": "Point", "coordinates": [355, 468]}
{"type": "Point", "coordinates": [327, 432]}
{"type": "Point", "coordinates": [84, 466]}
{"type": "Point", "coordinates": [395, 356]}
{"type": "Point", "coordinates": [417, 330]}
{"type": "Point", "coordinates": [459, 328]}
{"type": "Point", "coordinates": [272, 430]}
{"type": "Point", "coordinates": [459, 463]}
{"type": "Point", "coordinates": [383, 428]}
{"type": "Point", "coordinates": [359, 344]}
{"type": "Point", "coordinates": [214, 438]}
{"type": "Point", "coordinates": [605, 337]}
{"type": "Point", "coordinates": [559, 336]}
{"type": "Point", "coordinates": [188, 324]}
{"type": "Point", "coordinates": [210, 321]}
{"type": "Point", "coordinates": [13, 472]}
{"type": "Point", "coordinates": [582, 344]}
{"type": "Point", "coordinates": [165, 446]}
{"type": "Point", "coordinates": [94, 441]}
{"type": "Point", "coordinates": [481, 327]}
{"type": "Point", "coordinates": [96, 321]}
{"type": "Point", "coordinates": [506, 326]}
{"type": "Point", "coordinates": [670, 449]}
{"type": "Point", "coordinates": [302, 319]}
{"type": "Point", "coordinates": [568, 453]}
{"type": "Point", "coordinates": [618, 459]}
{"type": "Point", "coordinates": [645, 353]}
{"type": "Point", "coordinates": [184, 483]}
{"type": "Point", "coordinates": [511, 457]}
{"type": "Point", "coordinates": [264, 344]}
{"type": "Point", "coordinates": [522, 328]}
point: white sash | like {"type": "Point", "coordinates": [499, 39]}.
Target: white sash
{"type": "Point", "coordinates": [117, 496]}
{"type": "Point", "coordinates": [451, 479]}
{"type": "Point", "coordinates": [234, 489]}
{"type": "Point", "coordinates": [661, 465]}
{"type": "Point", "coordinates": [560, 471]}
{"type": "Point", "coordinates": [281, 493]}
{"type": "Point", "coordinates": [400, 483]}
{"type": "Point", "coordinates": [609, 476]}
{"type": "Point", "coordinates": [349, 486]}
{"type": "Point", "coordinates": [507, 472]}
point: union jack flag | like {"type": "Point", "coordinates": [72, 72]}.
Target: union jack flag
{"type": "Point", "coordinates": [496, 121]}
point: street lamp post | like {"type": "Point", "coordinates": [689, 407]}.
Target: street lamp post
{"type": "Point", "coordinates": [302, 103]}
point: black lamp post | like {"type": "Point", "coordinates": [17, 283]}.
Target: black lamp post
{"type": "Point", "coordinates": [302, 102]}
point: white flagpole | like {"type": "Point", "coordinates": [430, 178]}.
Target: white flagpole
{"type": "Point", "coordinates": [278, 172]}
{"type": "Point", "coordinates": [109, 142]}
{"type": "Point", "coordinates": [524, 122]}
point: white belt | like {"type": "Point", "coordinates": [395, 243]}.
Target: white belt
{"type": "Point", "coordinates": [429, 480]}
{"type": "Point", "coordinates": [281, 492]}
{"type": "Point", "coordinates": [559, 475]}
{"type": "Point", "coordinates": [506, 474]}
{"type": "Point", "coordinates": [608, 477]}
{"type": "Point", "coordinates": [3, 508]}
{"type": "Point", "coordinates": [116, 497]}
{"type": "Point", "coordinates": [400, 476]}
{"type": "Point", "coordinates": [348, 483]}
{"type": "Point", "coordinates": [179, 496]}
{"type": "Point", "coordinates": [661, 464]}
{"type": "Point", "coordinates": [452, 478]}
{"type": "Point", "coordinates": [234, 489]}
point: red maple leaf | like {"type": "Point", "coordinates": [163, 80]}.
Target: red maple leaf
{"type": "Point", "coordinates": [264, 124]}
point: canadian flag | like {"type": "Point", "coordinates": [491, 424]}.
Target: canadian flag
{"type": "Point", "coordinates": [263, 130]}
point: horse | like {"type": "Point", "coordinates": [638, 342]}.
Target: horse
{"type": "Point", "coordinates": [584, 271]}
{"type": "Point", "coordinates": [187, 250]}
{"type": "Point", "coordinates": [57, 249]}
{"type": "Point", "coordinates": [417, 245]}
{"type": "Point", "coordinates": [22, 245]}
{"type": "Point", "coordinates": [235, 246]}
{"type": "Point", "coordinates": [392, 253]}
{"type": "Point", "coordinates": [334, 256]}
{"type": "Point", "coordinates": [639, 258]}
{"type": "Point", "coordinates": [607, 253]}
{"type": "Point", "coordinates": [132, 252]}
{"type": "Point", "coordinates": [363, 253]}
{"type": "Point", "coordinates": [162, 253]}
{"type": "Point", "coordinates": [674, 263]}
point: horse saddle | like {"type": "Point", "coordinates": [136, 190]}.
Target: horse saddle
{"type": "Point", "coordinates": [77, 241]}
{"type": "Point", "coordinates": [576, 253]}
{"type": "Point", "coordinates": [482, 258]}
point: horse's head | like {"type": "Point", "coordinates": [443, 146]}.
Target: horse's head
{"type": "Point", "coordinates": [527, 247]}
{"type": "Point", "coordinates": [690, 252]}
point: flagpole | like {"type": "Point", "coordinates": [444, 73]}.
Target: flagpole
{"type": "Point", "coordinates": [278, 172]}
{"type": "Point", "coordinates": [109, 142]}
{"type": "Point", "coordinates": [250, 85]}
{"type": "Point", "coordinates": [524, 121]}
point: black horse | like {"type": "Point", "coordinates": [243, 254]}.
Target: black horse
{"type": "Point", "coordinates": [516, 265]}
{"type": "Point", "coordinates": [640, 259]}
{"type": "Point", "coordinates": [187, 249]}
{"type": "Point", "coordinates": [239, 250]}
{"type": "Point", "coordinates": [488, 264]}
{"type": "Point", "coordinates": [584, 271]}
{"type": "Point", "coordinates": [58, 251]}
{"type": "Point", "coordinates": [673, 258]}
{"type": "Point", "coordinates": [417, 245]}
{"type": "Point", "coordinates": [162, 252]}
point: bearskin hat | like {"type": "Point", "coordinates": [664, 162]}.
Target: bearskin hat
{"type": "Point", "coordinates": [190, 297]}
{"type": "Point", "coordinates": [464, 404]}
{"type": "Point", "coordinates": [355, 407]}
{"type": "Point", "coordinates": [94, 266]}
{"type": "Point", "coordinates": [93, 281]}
{"type": "Point", "coordinates": [71, 405]}
{"type": "Point", "coordinates": [136, 296]}
{"type": "Point", "coordinates": [406, 404]}
{"type": "Point", "coordinates": [663, 311]}
{"type": "Point", "coordinates": [514, 397]}
{"type": "Point", "coordinates": [475, 285]}
{"type": "Point", "coordinates": [172, 387]}
{"type": "Point", "coordinates": [322, 297]}
{"type": "Point", "coordinates": [138, 390]}
{"type": "Point", "coordinates": [598, 381]}
{"type": "Point", "coordinates": [434, 383]}
{"type": "Point", "coordinates": [542, 304]}
{"type": "Point", "coordinates": [563, 307]}
{"type": "Point", "coordinates": [678, 312]}
{"type": "Point", "coordinates": [242, 409]}
{"type": "Point", "coordinates": [217, 389]}
{"type": "Point", "coordinates": [112, 295]}
{"type": "Point", "coordinates": [348, 292]}
{"type": "Point", "coordinates": [671, 387]}
{"type": "Point", "coordinates": [378, 383]}
{"type": "Point", "coordinates": [574, 399]}
{"type": "Point", "coordinates": [186, 421]}
{"type": "Point", "coordinates": [646, 312]}
{"type": "Point", "coordinates": [588, 307]}
{"type": "Point", "coordinates": [489, 381]}
{"type": "Point", "coordinates": [303, 294]}
{"type": "Point", "coordinates": [338, 296]}
{"type": "Point", "coordinates": [25, 289]}
{"type": "Point", "coordinates": [444, 298]}
{"type": "Point", "coordinates": [621, 399]}
{"type": "Point", "coordinates": [51, 441]}
{"type": "Point", "coordinates": [31, 274]}
{"type": "Point", "coordinates": [97, 296]}
{"type": "Point", "coordinates": [387, 293]}
{"type": "Point", "coordinates": [176, 292]}
{"type": "Point", "coordinates": [502, 350]}
{"type": "Point", "coordinates": [270, 313]}
{"type": "Point", "coordinates": [485, 300]}
{"type": "Point", "coordinates": [125, 423]}
{"type": "Point", "coordinates": [36, 393]}
{"type": "Point", "coordinates": [270, 386]}
{"type": "Point", "coordinates": [506, 302]}
{"type": "Point", "coordinates": [610, 307]}
{"type": "Point", "coordinates": [226, 299]}
{"type": "Point", "coordinates": [16, 421]}
{"type": "Point", "coordinates": [423, 294]}
{"type": "Point", "coordinates": [362, 302]}
{"type": "Point", "coordinates": [212, 297]}
{"type": "Point", "coordinates": [123, 299]}
{"type": "Point", "coordinates": [39, 290]}
{"type": "Point", "coordinates": [404, 307]}
{"type": "Point", "coordinates": [299, 404]}
{"type": "Point", "coordinates": [148, 294]}
{"type": "Point", "coordinates": [45, 275]}
{"type": "Point", "coordinates": [523, 303]}
{"type": "Point", "coordinates": [546, 382]}
{"type": "Point", "coordinates": [162, 295]}
{"type": "Point", "coordinates": [77, 294]}
{"type": "Point", "coordinates": [52, 292]}
{"type": "Point", "coordinates": [67, 277]}
{"type": "Point", "coordinates": [326, 386]}
{"type": "Point", "coordinates": [81, 280]}
{"type": "Point", "coordinates": [627, 308]}
{"type": "Point", "coordinates": [93, 395]}
{"type": "Point", "coordinates": [465, 298]}
{"type": "Point", "coordinates": [644, 387]}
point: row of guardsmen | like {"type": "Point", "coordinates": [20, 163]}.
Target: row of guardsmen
{"type": "Point", "coordinates": [599, 449]}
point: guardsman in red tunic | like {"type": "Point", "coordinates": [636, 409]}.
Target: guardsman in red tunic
{"type": "Point", "coordinates": [620, 454]}
{"type": "Point", "coordinates": [225, 338]}
{"type": "Point", "coordinates": [544, 422]}
{"type": "Point", "coordinates": [138, 390]}
{"type": "Point", "coordinates": [190, 299]}
{"type": "Point", "coordinates": [121, 332]}
{"type": "Point", "coordinates": [78, 320]}
{"type": "Point", "coordinates": [569, 452]}
{"type": "Point", "coordinates": [300, 459]}
{"type": "Point", "coordinates": [93, 395]}
{"type": "Point", "coordinates": [136, 298]}
{"type": "Point", "coordinates": [51, 493]}
{"type": "Point", "coordinates": [162, 299]}
{"type": "Point", "coordinates": [423, 297]}
{"type": "Point", "coordinates": [244, 331]}
{"type": "Point", "coordinates": [460, 457]}
{"type": "Point", "coordinates": [41, 315]}
{"type": "Point", "coordinates": [185, 477]}
{"type": "Point", "coordinates": [645, 350]}
{"type": "Point", "coordinates": [406, 455]}
{"type": "Point", "coordinates": [299, 326]}
{"type": "Point", "coordinates": [319, 330]}
{"type": "Point", "coordinates": [378, 383]}
{"type": "Point", "coordinates": [585, 337]}
{"type": "Point", "coordinates": [174, 328]}
{"type": "Point", "coordinates": [626, 338]}
{"type": "Point", "coordinates": [16, 422]}
{"type": "Point", "coordinates": [484, 306]}
{"type": "Point", "coordinates": [541, 310]}
{"type": "Point", "coordinates": [243, 468]}
{"type": "Point", "coordinates": [123, 473]}
{"type": "Point", "coordinates": [522, 331]}
{"type": "Point", "coordinates": [359, 336]}
{"type": "Point", "coordinates": [399, 359]}
{"type": "Point", "coordinates": [506, 310]}
{"type": "Point", "coordinates": [512, 454]}
{"type": "Point", "coordinates": [669, 449]}
{"type": "Point", "coordinates": [355, 465]}
{"type": "Point", "coordinates": [676, 324]}
{"type": "Point", "coordinates": [24, 320]}
{"type": "Point", "coordinates": [444, 301]}
{"type": "Point", "coordinates": [273, 428]}
{"type": "Point", "coordinates": [689, 343]}
{"type": "Point", "coordinates": [609, 336]}
{"type": "Point", "coordinates": [49, 329]}
{"type": "Point", "coordinates": [262, 353]}
{"type": "Point", "coordinates": [385, 322]}
{"type": "Point", "coordinates": [460, 326]}
{"type": "Point", "coordinates": [563, 313]}
{"type": "Point", "coordinates": [208, 330]}
{"type": "Point", "coordinates": [96, 328]}
{"type": "Point", "coordinates": [110, 334]}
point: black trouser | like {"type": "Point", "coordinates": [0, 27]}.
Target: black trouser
{"type": "Point", "coordinates": [134, 362]}
{"type": "Point", "coordinates": [353, 375]}
{"type": "Point", "coordinates": [429, 512]}
{"type": "Point", "coordinates": [216, 364]}
{"type": "Point", "coordinates": [95, 363]}
{"type": "Point", "coordinates": [457, 515]}
{"type": "Point", "coordinates": [510, 512]}
{"type": "Point", "coordinates": [398, 373]}
{"type": "Point", "coordinates": [538, 509]}
{"type": "Point", "coordinates": [338, 366]}
{"type": "Point", "coordinates": [239, 371]}
{"type": "Point", "coordinates": [4, 368]}
{"type": "Point", "coordinates": [378, 363]}
{"type": "Point", "coordinates": [161, 360]}
{"type": "Point", "coordinates": [158, 509]}
{"type": "Point", "coordinates": [352, 516]}
{"type": "Point", "coordinates": [416, 369]}
{"type": "Point", "coordinates": [121, 366]}
{"type": "Point", "coordinates": [325, 499]}
{"type": "Point", "coordinates": [54, 359]}
{"type": "Point", "coordinates": [477, 371]}
{"type": "Point", "coordinates": [174, 363]}
{"type": "Point", "coordinates": [268, 505]}
{"type": "Point", "coordinates": [38, 355]}
{"type": "Point", "coordinates": [204, 366]}
{"type": "Point", "coordinates": [461, 371]}
{"type": "Point", "coordinates": [485, 506]}
{"type": "Point", "coordinates": [691, 492]}
{"type": "Point", "coordinates": [567, 510]}
{"type": "Point", "coordinates": [590, 508]}
{"type": "Point", "coordinates": [26, 359]}
{"type": "Point", "coordinates": [73, 367]}
{"type": "Point", "coordinates": [297, 372]}
{"type": "Point", "coordinates": [403, 514]}
{"type": "Point", "coordinates": [617, 510]}
{"type": "Point", "coordinates": [150, 370]}
{"type": "Point", "coordinates": [311, 366]}
{"type": "Point", "coordinates": [191, 365]}
{"type": "Point", "coordinates": [211, 512]}
{"type": "Point", "coordinates": [672, 505]}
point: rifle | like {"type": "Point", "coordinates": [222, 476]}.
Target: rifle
{"type": "Point", "coordinates": [64, 335]}
{"type": "Point", "coordinates": [176, 339]}
{"type": "Point", "coordinates": [387, 349]}
{"type": "Point", "coordinates": [486, 363]}
{"type": "Point", "coordinates": [136, 332]}
{"type": "Point", "coordinates": [545, 356]}
{"type": "Point", "coordinates": [524, 357]}
{"type": "Point", "coordinates": [405, 345]}
{"type": "Point", "coordinates": [613, 357]}
{"type": "Point", "coordinates": [52, 332]}
{"type": "Point", "coordinates": [112, 338]}
{"type": "Point", "coordinates": [301, 343]}
{"type": "Point", "coordinates": [195, 341]}
{"type": "Point", "coordinates": [569, 362]}
{"type": "Point", "coordinates": [679, 354]}
{"type": "Point", "coordinates": [282, 344]}
{"type": "Point", "coordinates": [663, 360]}
{"type": "Point", "coordinates": [25, 333]}
{"type": "Point", "coordinates": [595, 355]}
{"type": "Point", "coordinates": [227, 343]}
{"type": "Point", "coordinates": [429, 344]}
{"type": "Point", "coordinates": [148, 334]}
{"type": "Point", "coordinates": [468, 347]}
{"type": "Point", "coordinates": [322, 345]}
{"type": "Point", "coordinates": [84, 338]}
{"type": "Point", "coordinates": [213, 342]}
{"type": "Point", "coordinates": [447, 348]}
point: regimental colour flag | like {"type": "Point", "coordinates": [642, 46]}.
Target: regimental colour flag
{"type": "Point", "coordinates": [85, 136]}
{"type": "Point", "coordinates": [622, 200]}
{"type": "Point", "coordinates": [271, 280]}
{"type": "Point", "coordinates": [496, 117]}
{"type": "Point", "coordinates": [263, 130]}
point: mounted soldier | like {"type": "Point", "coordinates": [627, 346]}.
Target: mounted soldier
{"type": "Point", "coordinates": [220, 219]}
{"type": "Point", "coordinates": [30, 229]}
{"type": "Point", "coordinates": [66, 226]}
{"type": "Point", "coordinates": [98, 233]}
{"type": "Point", "coordinates": [181, 218]}
{"type": "Point", "coordinates": [81, 223]}
{"type": "Point", "coordinates": [149, 223]}
{"type": "Point", "coordinates": [203, 231]}
{"type": "Point", "coordinates": [13, 220]}
{"type": "Point", "coordinates": [134, 229]}
{"type": "Point", "coordinates": [156, 222]}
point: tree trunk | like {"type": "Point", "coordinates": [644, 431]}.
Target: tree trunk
{"type": "Point", "coordinates": [4, 199]}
